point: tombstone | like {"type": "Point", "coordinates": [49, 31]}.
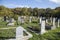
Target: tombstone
{"type": "Point", "coordinates": [19, 33]}
{"type": "Point", "coordinates": [51, 19]}
{"type": "Point", "coordinates": [4, 18]}
{"type": "Point", "coordinates": [54, 26]}
{"type": "Point", "coordinates": [46, 20]}
{"type": "Point", "coordinates": [58, 22]}
{"type": "Point", "coordinates": [43, 26]}
{"type": "Point", "coordinates": [30, 19]}
{"type": "Point", "coordinates": [40, 19]}
{"type": "Point", "coordinates": [22, 20]}
{"type": "Point", "coordinates": [11, 22]}
{"type": "Point", "coordinates": [19, 19]}
{"type": "Point", "coordinates": [7, 20]}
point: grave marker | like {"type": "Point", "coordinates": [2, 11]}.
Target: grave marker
{"type": "Point", "coordinates": [19, 33]}
{"type": "Point", "coordinates": [43, 26]}
{"type": "Point", "coordinates": [54, 26]}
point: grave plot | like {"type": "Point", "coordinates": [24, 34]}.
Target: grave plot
{"type": "Point", "coordinates": [7, 33]}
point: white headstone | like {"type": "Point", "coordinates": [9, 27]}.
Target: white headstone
{"type": "Point", "coordinates": [13, 20]}
{"type": "Point", "coordinates": [19, 32]}
{"type": "Point", "coordinates": [46, 20]}
{"type": "Point", "coordinates": [42, 27]}
{"type": "Point", "coordinates": [40, 19]}
{"type": "Point", "coordinates": [54, 26]}
{"type": "Point", "coordinates": [51, 19]}
{"type": "Point", "coordinates": [30, 19]}
{"type": "Point", "coordinates": [22, 20]}
{"type": "Point", "coordinates": [19, 19]}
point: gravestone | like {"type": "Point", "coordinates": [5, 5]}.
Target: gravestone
{"type": "Point", "coordinates": [40, 19]}
{"type": "Point", "coordinates": [43, 26]}
{"type": "Point", "coordinates": [46, 20]}
{"type": "Point", "coordinates": [30, 19]}
{"type": "Point", "coordinates": [22, 20]}
{"type": "Point", "coordinates": [19, 19]}
{"type": "Point", "coordinates": [54, 26]}
{"type": "Point", "coordinates": [58, 22]}
{"type": "Point", "coordinates": [11, 22]}
{"type": "Point", "coordinates": [51, 19]}
{"type": "Point", "coordinates": [19, 33]}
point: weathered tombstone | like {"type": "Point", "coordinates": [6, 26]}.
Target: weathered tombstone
{"type": "Point", "coordinates": [11, 22]}
{"type": "Point", "coordinates": [22, 20]}
{"type": "Point", "coordinates": [40, 19]}
{"type": "Point", "coordinates": [7, 20]}
{"type": "Point", "coordinates": [19, 33]}
{"type": "Point", "coordinates": [19, 19]}
{"type": "Point", "coordinates": [58, 22]}
{"type": "Point", "coordinates": [51, 19]}
{"type": "Point", "coordinates": [46, 20]}
{"type": "Point", "coordinates": [30, 19]}
{"type": "Point", "coordinates": [43, 26]}
{"type": "Point", "coordinates": [54, 26]}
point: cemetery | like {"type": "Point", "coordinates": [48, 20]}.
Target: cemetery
{"type": "Point", "coordinates": [29, 23]}
{"type": "Point", "coordinates": [36, 26]}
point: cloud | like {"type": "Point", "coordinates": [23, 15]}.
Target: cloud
{"type": "Point", "coordinates": [14, 5]}
{"type": "Point", "coordinates": [55, 1]}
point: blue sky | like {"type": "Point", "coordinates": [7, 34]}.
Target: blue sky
{"type": "Point", "coordinates": [30, 3]}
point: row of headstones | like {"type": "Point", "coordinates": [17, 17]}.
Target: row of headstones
{"type": "Point", "coordinates": [21, 19]}
{"type": "Point", "coordinates": [9, 20]}
{"type": "Point", "coordinates": [43, 22]}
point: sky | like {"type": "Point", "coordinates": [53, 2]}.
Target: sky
{"type": "Point", "coordinates": [31, 3]}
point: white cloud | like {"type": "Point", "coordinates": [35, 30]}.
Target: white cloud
{"type": "Point", "coordinates": [55, 1]}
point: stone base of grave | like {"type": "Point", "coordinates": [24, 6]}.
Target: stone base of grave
{"type": "Point", "coordinates": [10, 24]}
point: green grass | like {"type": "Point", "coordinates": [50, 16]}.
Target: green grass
{"type": "Point", "coordinates": [7, 33]}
